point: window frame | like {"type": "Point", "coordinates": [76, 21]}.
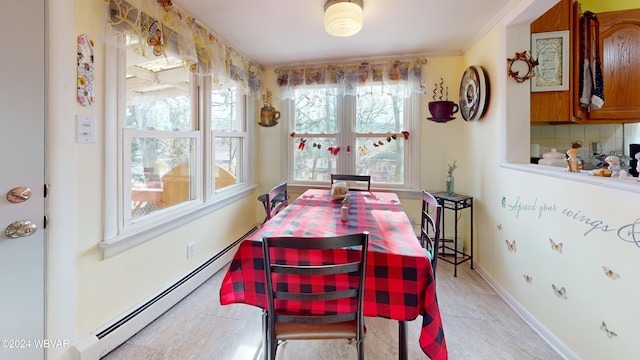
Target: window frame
{"type": "Point", "coordinates": [242, 109]}
{"type": "Point", "coordinates": [119, 236]}
{"type": "Point", "coordinates": [345, 107]}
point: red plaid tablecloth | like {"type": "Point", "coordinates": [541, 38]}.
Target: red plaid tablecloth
{"type": "Point", "coordinates": [399, 283]}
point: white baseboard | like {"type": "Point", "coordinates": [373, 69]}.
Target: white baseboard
{"type": "Point", "coordinates": [553, 341]}
{"type": "Point", "coordinates": [100, 342]}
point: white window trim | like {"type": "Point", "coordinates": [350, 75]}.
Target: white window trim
{"type": "Point", "coordinates": [209, 168]}
{"type": "Point", "coordinates": [116, 238]}
{"type": "Point", "coordinates": [412, 150]}
{"type": "Point", "coordinates": [128, 134]}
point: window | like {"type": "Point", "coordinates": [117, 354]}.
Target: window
{"type": "Point", "coordinates": [360, 134]}
{"type": "Point", "coordinates": [177, 144]}
{"type": "Point", "coordinates": [229, 134]}
{"type": "Point", "coordinates": [160, 137]}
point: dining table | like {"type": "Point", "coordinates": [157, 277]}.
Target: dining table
{"type": "Point", "coordinates": [399, 281]}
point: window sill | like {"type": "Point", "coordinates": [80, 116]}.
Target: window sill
{"type": "Point", "coordinates": [128, 240]}
{"type": "Point", "coordinates": [629, 184]}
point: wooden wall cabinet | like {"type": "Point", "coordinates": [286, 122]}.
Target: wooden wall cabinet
{"type": "Point", "coordinates": [554, 106]}
{"type": "Point", "coordinates": [620, 55]}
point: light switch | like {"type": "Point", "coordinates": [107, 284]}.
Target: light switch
{"type": "Point", "coordinates": [85, 129]}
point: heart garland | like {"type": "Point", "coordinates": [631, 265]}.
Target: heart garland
{"type": "Point", "coordinates": [362, 150]}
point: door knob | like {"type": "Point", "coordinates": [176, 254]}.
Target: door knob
{"type": "Point", "coordinates": [20, 228]}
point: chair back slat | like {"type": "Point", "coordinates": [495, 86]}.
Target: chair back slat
{"type": "Point", "coordinates": [430, 227]}
{"type": "Point", "coordinates": [316, 270]}
{"type": "Point", "coordinates": [328, 319]}
{"type": "Point", "coordinates": [277, 199]}
{"type": "Point", "coordinates": [353, 178]}
{"type": "Point", "coordinates": [326, 296]}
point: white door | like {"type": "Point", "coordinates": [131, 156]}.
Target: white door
{"type": "Point", "coordinates": [22, 111]}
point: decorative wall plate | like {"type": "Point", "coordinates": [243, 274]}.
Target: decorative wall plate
{"type": "Point", "coordinates": [85, 70]}
{"type": "Point", "coordinates": [474, 93]}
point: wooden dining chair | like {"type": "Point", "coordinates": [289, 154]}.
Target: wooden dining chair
{"type": "Point", "coordinates": [276, 200]}
{"type": "Point", "coordinates": [358, 179]}
{"type": "Point", "coordinates": [281, 324]}
{"type": "Point", "coordinates": [430, 228]}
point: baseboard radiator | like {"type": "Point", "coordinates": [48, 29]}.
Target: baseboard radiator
{"type": "Point", "coordinates": [100, 342]}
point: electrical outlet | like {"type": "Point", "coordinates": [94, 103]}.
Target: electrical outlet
{"type": "Point", "coordinates": [191, 248]}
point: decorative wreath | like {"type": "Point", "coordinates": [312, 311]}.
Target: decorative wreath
{"type": "Point", "coordinates": [531, 64]}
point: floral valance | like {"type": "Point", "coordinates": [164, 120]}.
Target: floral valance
{"type": "Point", "coordinates": [400, 77]}
{"type": "Point", "coordinates": [151, 27]}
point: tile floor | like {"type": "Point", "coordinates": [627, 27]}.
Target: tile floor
{"type": "Point", "coordinates": [478, 324]}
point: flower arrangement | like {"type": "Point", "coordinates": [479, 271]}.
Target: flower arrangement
{"type": "Point", "coordinates": [452, 165]}
{"type": "Point", "coordinates": [267, 98]}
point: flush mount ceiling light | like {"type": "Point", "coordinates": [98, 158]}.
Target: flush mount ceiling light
{"type": "Point", "coordinates": [343, 17]}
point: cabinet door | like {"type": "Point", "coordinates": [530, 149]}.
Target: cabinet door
{"type": "Point", "coordinates": [620, 51]}
{"type": "Point", "coordinates": [553, 106]}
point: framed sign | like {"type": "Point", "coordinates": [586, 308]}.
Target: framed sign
{"type": "Point", "coordinates": [551, 49]}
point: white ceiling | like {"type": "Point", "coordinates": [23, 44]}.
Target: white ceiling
{"type": "Point", "coordinates": [278, 32]}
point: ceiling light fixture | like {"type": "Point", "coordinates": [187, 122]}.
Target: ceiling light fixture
{"type": "Point", "coordinates": [343, 17]}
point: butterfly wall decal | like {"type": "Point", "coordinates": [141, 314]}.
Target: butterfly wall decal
{"type": "Point", "coordinates": [560, 292]}
{"type": "Point", "coordinates": [610, 273]}
{"type": "Point", "coordinates": [511, 246]}
{"type": "Point", "coordinates": [155, 39]}
{"type": "Point", "coordinates": [604, 328]}
{"type": "Point", "coordinates": [556, 246]}
{"type": "Point", "coordinates": [527, 278]}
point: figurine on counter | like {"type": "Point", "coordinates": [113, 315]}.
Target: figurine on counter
{"type": "Point", "coordinates": [614, 165]}
{"type": "Point", "coordinates": [573, 163]}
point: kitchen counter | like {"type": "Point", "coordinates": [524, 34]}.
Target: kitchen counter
{"type": "Point", "coordinates": [629, 184]}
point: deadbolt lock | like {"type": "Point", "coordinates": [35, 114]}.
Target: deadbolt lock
{"type": "Point", "coordinates": [18, 195]}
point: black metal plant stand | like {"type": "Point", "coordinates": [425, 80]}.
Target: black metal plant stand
{"type": "Point", "coordinates": [455, 202]}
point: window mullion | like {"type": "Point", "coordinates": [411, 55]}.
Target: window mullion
{"type": "Point", "coordinates": [346, 134]}
{"type": "Point", "coordinates": [204, 114]}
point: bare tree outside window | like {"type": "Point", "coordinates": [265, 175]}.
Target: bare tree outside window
{"type": "Point", "coordinates": [374, 125]}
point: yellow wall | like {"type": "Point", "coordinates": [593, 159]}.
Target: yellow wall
{"type": "Point", "coordinates": [598, 6]}
{"type": "Point", "coordinates": [558, 205]}
{"type": "Point", "coordinates": [594, 225]}
{"type": "Point", "coordinates": [106, 289]}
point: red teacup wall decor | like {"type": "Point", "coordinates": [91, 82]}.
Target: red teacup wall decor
{"type": "Point", "coordinates": [441, 109]}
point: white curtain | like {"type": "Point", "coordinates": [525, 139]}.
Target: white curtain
{"type": "Point", "coordinates": [164, 25]}
{"type": "Point", "coordinates": [399, 77]}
